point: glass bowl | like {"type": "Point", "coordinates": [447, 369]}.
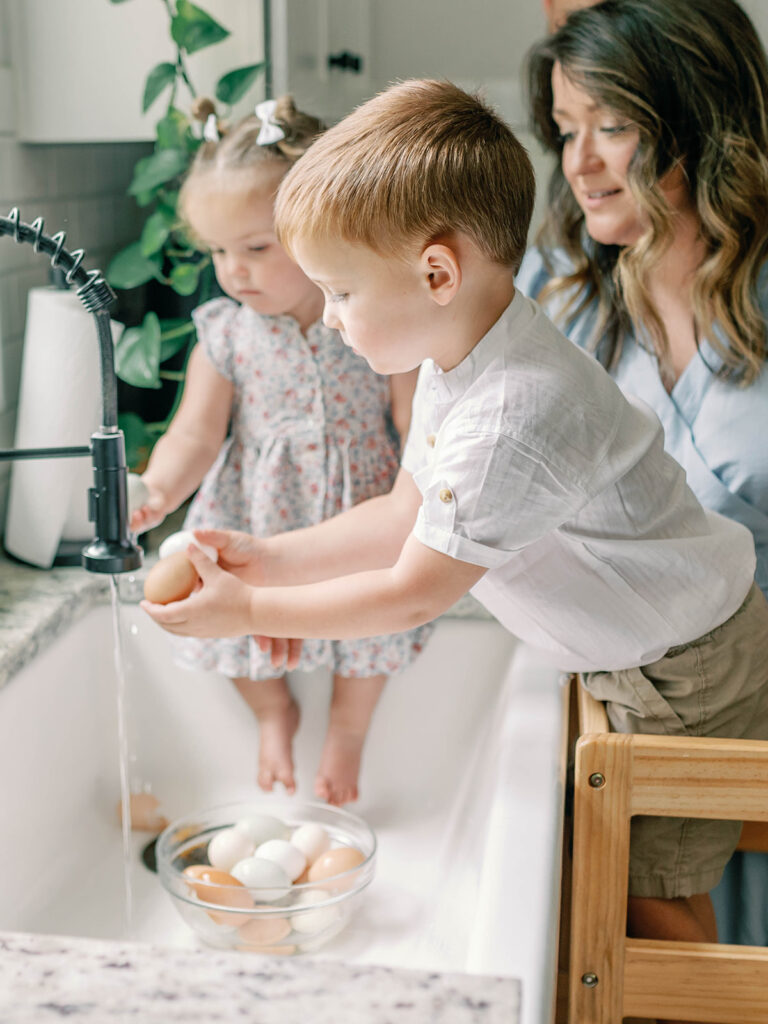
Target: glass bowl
{"type": "Point", "coordinates": [294, 918]}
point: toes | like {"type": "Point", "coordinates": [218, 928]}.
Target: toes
{"type": "Point", "coordinates": [266, 779]}
{"type": "Point", "coordinates": [343, 795]}
{"type": "Point", "coordinates": [323, 788]}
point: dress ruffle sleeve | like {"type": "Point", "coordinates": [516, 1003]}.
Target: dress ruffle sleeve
{"type": "Point", "coordinates": [214, 322]}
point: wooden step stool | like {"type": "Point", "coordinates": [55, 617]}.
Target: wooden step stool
{"type": "Point", "coordinates": [618, 775]}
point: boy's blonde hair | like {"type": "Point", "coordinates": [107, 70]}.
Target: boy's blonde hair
{"type": "Point", "coordinates": [238, 148]}
{"type": "Point", "coordinates": [419, 161]}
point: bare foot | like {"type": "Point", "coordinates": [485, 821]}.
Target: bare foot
{"type": "Point", "coordinates": [352, 705]}
{"type": "Point", "coordinates": [336, 779]}
{"type": "Point", "coordinates": [277, 727]}
{"type": "Point", "coordinates": [278, 717]}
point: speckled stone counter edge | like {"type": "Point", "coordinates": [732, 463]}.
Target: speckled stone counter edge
{"type": "Point", "coordinates": [36, 605]}
{"type": "Point", "coordinates": [88, 981]}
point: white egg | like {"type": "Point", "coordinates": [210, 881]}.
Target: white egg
{"type": "Point", "coordinates": [289, 857]}
{"type": "Point", "coordinates": [261, 827]}
{"type": "Point", "coordinates": [312, 840]}
{"type": "Point", "coordinates": [180, 542]}
{"type": "Point", "coordinates": [138, 492]}
{"type": "Point", "coordinates": [266, 880]}
{"type": "Point", "coordinates": [228, 847]}
{"type": "Point", "coordinates": [310, 922]}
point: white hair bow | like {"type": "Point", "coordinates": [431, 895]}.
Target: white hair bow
{"type": "Point", "coordinates": [211, 129]}
{"type": "Point", "coordinates": [270, 130]}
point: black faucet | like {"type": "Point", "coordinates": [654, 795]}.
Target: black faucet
{"type": "Point", "coordinates": [112, 550]}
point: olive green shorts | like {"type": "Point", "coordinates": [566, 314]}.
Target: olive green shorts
{"type": "Point", "coordinates": [715, 686]}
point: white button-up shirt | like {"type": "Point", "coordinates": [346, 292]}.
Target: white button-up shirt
{"type": "Point", "coordinates": [533, 464]}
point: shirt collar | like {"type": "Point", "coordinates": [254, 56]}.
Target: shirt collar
{"type": "Point", "coordinates": [450, 384]}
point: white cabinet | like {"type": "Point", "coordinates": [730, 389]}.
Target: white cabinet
{"type": "Point", "coordinates": [79, 66]}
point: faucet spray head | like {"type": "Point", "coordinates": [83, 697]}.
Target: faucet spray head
{"type": "Point", "coordinates": [111, 551]}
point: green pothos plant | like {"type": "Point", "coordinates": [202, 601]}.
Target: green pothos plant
{"type": "Point", "coordinates": [164, 252]}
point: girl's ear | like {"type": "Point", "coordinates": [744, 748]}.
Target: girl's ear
{"type": "Point", "coordinates": [441, 272]}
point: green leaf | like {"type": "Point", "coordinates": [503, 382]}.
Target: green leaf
{"type": "Point", "coordinates": [138, 440]}
{"type": "Point", "coordinates": [131, 267]}
{"type": "Point", "coordinates": [155, 170]}
{"type": "Point", "coordinates": [168, 202]}
{"type": "Point", "coordinates": [137, 354]}
{"type": "Point", "coordinates": [235, 84]}
{"type": "Point", "coordinates": [184, 277]}
{"type": "Point", "coordinates": [156, 230]}
{"type": "Point", "coordinates": [145, 198]}
{"type": "Point", "coordinates": [175, 335]}
{"type": "Point", "coordinates": [192, 29]}
{"type": "Point", "coordinates": [173, 131]}
{"type": "Point", "coordinates": [159, 78]}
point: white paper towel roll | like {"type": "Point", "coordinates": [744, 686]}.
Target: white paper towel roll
{"type": "Point", "coordinates": [59, 404]}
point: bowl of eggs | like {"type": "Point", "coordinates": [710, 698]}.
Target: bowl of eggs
{"type": "Point", "coordinates": [281, 879]}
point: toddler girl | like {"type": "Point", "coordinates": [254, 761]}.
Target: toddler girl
{"type": "Point", "coordinates": [312, 430]}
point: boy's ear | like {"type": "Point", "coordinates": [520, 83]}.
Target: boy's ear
{"type": "Point", "coordinates": [441, 271]}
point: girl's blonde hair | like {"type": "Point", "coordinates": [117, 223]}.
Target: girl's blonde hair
{"type": "Point", "coordinates": [238, 148]}
{"type": "Point", "coordinates": [420, 160]}
{"type": "Point", "coordinates": [692, 75]}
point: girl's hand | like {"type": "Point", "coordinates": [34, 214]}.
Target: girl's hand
{"type": "Point", "coordinates": [152, 510]}
{"type": "Point", "coordinates": [221, 607]}
{"type": "Point", "coordinates": [284, 653]}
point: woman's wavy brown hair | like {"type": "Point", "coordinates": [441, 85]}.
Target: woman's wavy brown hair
{"type": "Point", "coordinates": [692, 75]}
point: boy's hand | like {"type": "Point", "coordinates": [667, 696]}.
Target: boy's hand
{"type": "Point", "coordinates": [239, 553]}
{"type": "Point", "coordinates": [221, 607]}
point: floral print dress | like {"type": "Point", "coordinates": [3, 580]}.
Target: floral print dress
{"type": "Point", "coordinates": [309, 437]}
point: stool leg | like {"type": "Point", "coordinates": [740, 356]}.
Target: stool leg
{"type": "Point", "coordinates": [602, 785]}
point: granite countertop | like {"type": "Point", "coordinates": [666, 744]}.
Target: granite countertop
{"type": "Point", "coordinates": [88, 981]}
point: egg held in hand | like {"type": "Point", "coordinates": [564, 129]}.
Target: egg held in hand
{"type": "Point", "coordinates": [171, 579]}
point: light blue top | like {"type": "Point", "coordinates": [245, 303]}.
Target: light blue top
{"type": "Point", "coordinates": [717, 430]}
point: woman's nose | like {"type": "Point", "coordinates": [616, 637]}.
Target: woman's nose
{"type": "Point", "coordinates": [584, 156]}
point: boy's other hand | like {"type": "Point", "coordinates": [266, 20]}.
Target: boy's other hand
{"type": "Point", "coordinates": [239, 553]}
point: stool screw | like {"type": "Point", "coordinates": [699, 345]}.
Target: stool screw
{"type": "Point", "coordinates": [597, 780]}
{"type": "Point", "coordinates": [589, 979]}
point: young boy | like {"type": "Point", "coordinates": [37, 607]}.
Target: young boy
{"type": "Point", "coordinates": [527, 476]}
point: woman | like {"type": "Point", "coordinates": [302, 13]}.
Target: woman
{"type": "Point", "coordinates": [653, 253]}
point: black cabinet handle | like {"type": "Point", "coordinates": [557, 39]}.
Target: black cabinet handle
{"type": "Point", "coordinates": [346, 61]}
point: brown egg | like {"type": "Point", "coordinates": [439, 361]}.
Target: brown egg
{"type": "Point", "coordinates": [336, 862]}
{"type": "Point", "coordinates": [262, 931]}
{"type": "Point", "coordinates": [208, 884]}
{"type": "Point", "coordinates": [171, 579]}
{"type": "Point", "coordinates": [144, 813]}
